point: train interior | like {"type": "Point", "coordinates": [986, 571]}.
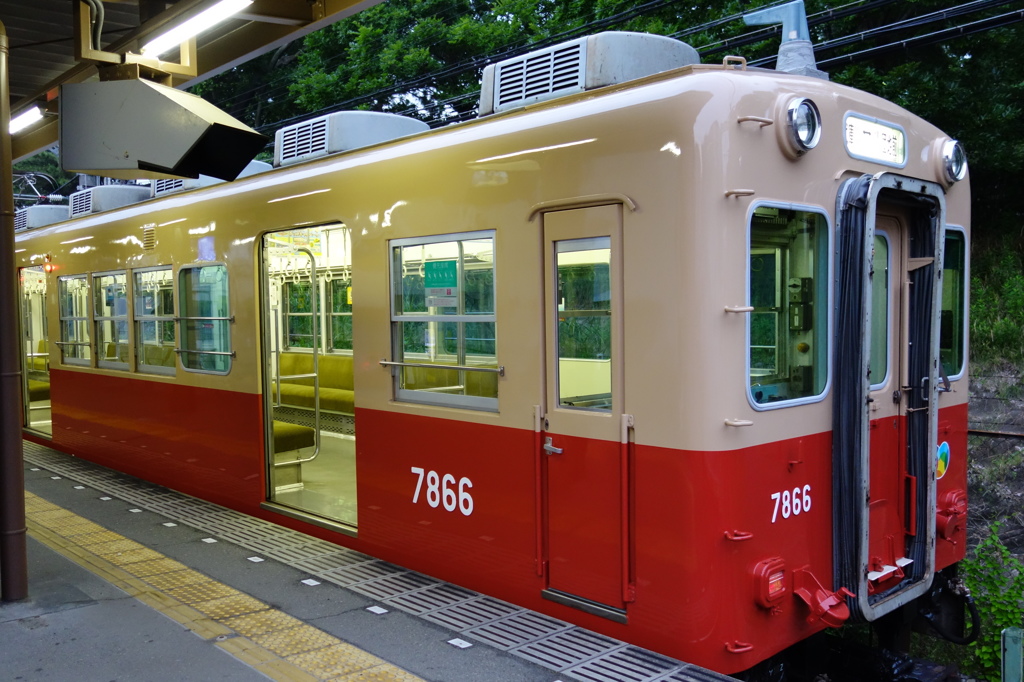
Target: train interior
{"type": "Point", "coordinates": [307, 307]}
{"type": "Point", "coordinates": [35, 351]}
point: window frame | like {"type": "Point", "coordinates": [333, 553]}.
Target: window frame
{"type": "Point", "coordinates": [86, 318]}
{"type": "Point", "coordinates": [965, 360]}
{"type": "Point", "coordinates": [101, 361]}
{"type": "Point", "coordinates": [890, 317]}
{"type": "Point", "coordinates": [823, 356]}
{"type": "Point", "coordinates": [425, 396]}
{"type": "Point", "coordinates": [228, 319]}
{"type": "Point", "coordinates": [138, 318]}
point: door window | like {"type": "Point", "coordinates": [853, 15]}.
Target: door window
{"type": "Point", "coordinates": [584, 323]}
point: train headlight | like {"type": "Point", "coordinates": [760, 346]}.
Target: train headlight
{"type": "Point", "coordinates": [954, 161]}
{"type": "Point", "coordinates": [803, 123]}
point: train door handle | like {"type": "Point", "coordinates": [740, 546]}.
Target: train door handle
{"type": "Point", "coordinates": [551, 449]}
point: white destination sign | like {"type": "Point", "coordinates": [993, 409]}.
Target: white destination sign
{"type": "Point", "coordinates": [875, 141]}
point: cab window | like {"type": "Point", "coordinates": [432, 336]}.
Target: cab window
{"type": "Point", "coordinates": [952, 327]}
{"type": "Point", "coordinates": [787, 328]}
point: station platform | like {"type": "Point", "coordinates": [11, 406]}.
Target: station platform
{"type": "Point", "coordinates": [131, 581]}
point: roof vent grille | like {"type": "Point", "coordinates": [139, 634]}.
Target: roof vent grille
{"type": "Point", "coordinates": [339, 132]}
{"type": "Point", "coordinates": [540, 74]}
{"type": "Point", "coordinates": [39, 215]}
{"type": "Point", "coordinates": [579, 65]}
{"type": "Point", "coordinates": [167, 185]}
{"type": "Point", "coordinates": [106, 198]}
{"type": "Point", "coordinates": [81, 203]}
{"type": "Point", "coordinates": [172, 185]}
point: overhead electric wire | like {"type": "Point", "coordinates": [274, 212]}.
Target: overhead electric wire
{"type": "Point", "coordinates": [427, 81]}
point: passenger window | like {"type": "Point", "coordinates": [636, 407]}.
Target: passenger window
{"type": "Point", "coordinates": [75, 347]}
{"type": "Point", "coordinates": [205, 318]}
{"type": "Point", "coordinates": [110, 311]}
{"type": "Point", "coordinates": [341, 314]}
{"type": "Point", "coordinates": [788, 271]}
{"type": "Point", "coordinates": [879, 363]}
{"type": "Point", "coordinates": [584, 323]}
{"type": "Point", "coordinates": [298, 314]}
{"type": "Point", "coordinates": [443, 320]}
{"type": "Point", "coordinates": [154, 320]}
{"type": "Point", "coordinates": [952, 332]}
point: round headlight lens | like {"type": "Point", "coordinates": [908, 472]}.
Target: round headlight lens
{"type": "Point", "coordinates": [804, 124]}
{"type": "Point", "coordinates": [954, 160]}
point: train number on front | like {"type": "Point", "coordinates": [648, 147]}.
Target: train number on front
{"type": "Point", "coordinates": [441, 490]}
{"type": "Point", "coordinates": [791, 502]}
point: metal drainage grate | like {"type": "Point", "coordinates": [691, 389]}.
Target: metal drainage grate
{"type": "Point", "coordinates": [566, 649]}
{"type": "Point", "coordinates": [359, 573]}
{"type": "Point", "coordinates": [321, 565]}
{"type": "Point", "coordinates": [469, 614]}
{"type": "Point", "coordinates": [393, 585]}
{"type": "Point", "coordinates": [692, 673]}
{"type": "Point", "coordinates": [624, 665]}
{"type": "Point", "coordinates": [432, 598]}
{"type": "Point", "coordinates": [517, 629]}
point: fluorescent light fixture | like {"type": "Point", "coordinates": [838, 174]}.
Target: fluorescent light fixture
{"type": "Point", "coordinates": [24, 120]}
{"type": "Point", "coordinates": [193, 27]}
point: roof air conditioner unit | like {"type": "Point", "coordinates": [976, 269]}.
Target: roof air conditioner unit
{"type": "Point", "coordinates": [106, 198]}
{"type": "Point", "coordinates": [39, 216]}
{"type": "Point", "coordinates": [339, 132]}
{"type": "Point", "coordinates": [166, 186]}
{"type": "Point", "coordinates": [579, 65]}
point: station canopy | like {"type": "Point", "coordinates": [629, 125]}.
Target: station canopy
{"type": "Point", "coordinates": [50, 45]}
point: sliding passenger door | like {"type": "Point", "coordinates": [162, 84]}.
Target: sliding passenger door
{"type": "Point", "coordinates": [35, 350]}
{"type": "Point", "coordinates": [309, 389]}
{"type": "Point", "coordinates": [583, 423]}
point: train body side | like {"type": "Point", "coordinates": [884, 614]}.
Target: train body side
{"type": "Point", "coordinates": [698, 497]}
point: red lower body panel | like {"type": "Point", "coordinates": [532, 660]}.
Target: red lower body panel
{"type": "Point", "coordinates": [459, 501]}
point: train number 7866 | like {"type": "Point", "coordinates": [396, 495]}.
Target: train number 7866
{"type": "Point", "coordinates": [792, 502]}
{"type": "Point", "coordinates": [441, 490]}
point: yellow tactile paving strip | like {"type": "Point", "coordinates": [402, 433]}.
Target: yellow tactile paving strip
{"type": "Point", "coordinates": [274, 643]}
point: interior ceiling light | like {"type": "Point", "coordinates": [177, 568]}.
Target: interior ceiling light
{"type": "Point", "coordinates": [193, 27]}
{"type": "Point", "coordinates": [24, 120]}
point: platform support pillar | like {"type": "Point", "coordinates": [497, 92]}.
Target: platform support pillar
{"type": "Point", "coordinates": [13, 550]}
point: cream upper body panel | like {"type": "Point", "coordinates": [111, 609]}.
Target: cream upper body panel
{"type": "Point", "coordinates": [672, 144]}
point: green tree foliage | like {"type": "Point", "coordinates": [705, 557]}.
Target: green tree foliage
{"type": "Point", "coordinates": [937, 58]}
{"type": "Point", "coordinates": [996, 580]}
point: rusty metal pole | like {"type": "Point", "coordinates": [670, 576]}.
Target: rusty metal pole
{"type": "Point", "coordinates": [13, 551]}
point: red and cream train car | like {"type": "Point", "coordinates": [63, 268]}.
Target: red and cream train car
{"type": "Point", "coordinates": [676, 354]}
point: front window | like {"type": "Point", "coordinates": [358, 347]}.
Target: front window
{"type": "Point", "coordinates": [205, 331]}
{"type": "Point", "coordinates": [75, 347]}
{"type": "Point", "coordinates": [952, 328]}
{"type": "Point", "coordinates": [154, 320]}
{"type": "Point", "coordinates": [787, 332]}
{"type": "Point", "coordinates": [443, 314]}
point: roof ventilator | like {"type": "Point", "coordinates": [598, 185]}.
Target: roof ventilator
{"type": "Point", "coordinates": [339, 132]}
{"type": "Point", "coordinates": [106, 198]}
{"type": "Point", "coordinates": [166, 186]}
{"type": "Point", "coordinates": [579, 65]}
{"type": "Point", "coordinates": [39, 215]}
